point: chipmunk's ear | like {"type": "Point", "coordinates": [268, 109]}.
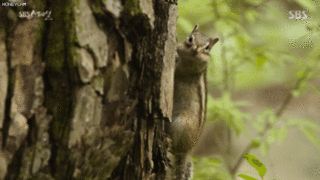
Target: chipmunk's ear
{"type": "Point", "coordinates": [195, 28]}
{"type": "Point", "coordinates": [213, 41]}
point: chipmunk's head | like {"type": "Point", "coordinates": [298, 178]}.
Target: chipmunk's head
{"type": "Point", "coordinates": [199, 44]}
{"type": "Point", "coordinates": [195, 50]}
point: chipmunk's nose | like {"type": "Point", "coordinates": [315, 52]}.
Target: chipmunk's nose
{"type": "Point", "coordinates": [198, 49]}
{"type": "Point", "coordinates": [195, 49]}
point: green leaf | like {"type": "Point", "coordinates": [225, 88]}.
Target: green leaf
{"type": "Point", "coordinates": [256, 142]}
{"type": "Point", "coordinates": [282, 133]}
{"type": "Point", "coordinates": [272, 135]}
{"type": "Point", "coordinates": [256, 163]}
{"type": "Point", "coordinates": [246, 177]}
{"type": "Point", "coordinates": [296, 93]}
{"type": "Point", "coordinates": [309, 128]}
{"type": "Point", "coordinates": [261, 60]}
{"type": "Point", "coordinates": [264, 148]}
{"type": "Point", "coordinates": [272, 118]}
{"type": "Point", "coordinates": [301, 74]}
{"type": "Point", "coordinates": [304, 123]}
{"type": "Point", "coordinates": [311, 135]}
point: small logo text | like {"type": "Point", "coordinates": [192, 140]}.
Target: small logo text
{"type": "Point", "coordinates": [33, 13]}
{"type": "Point", "coordinates": [298, 15]}
{"type": "Point", "coordinates": [12, 4]}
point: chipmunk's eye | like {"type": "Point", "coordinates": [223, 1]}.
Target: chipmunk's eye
{"type": "Point", "coordinates": [190, 39]}
{"type": "Point", "coordinates": [207, 48]}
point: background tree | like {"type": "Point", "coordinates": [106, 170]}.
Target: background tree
{"type": "Point", "coordinates": [86, 95]}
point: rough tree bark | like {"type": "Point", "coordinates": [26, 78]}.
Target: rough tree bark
{"type": "Point", "coordinates": [86, 95]}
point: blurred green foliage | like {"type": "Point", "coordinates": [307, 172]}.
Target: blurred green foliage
{"type": "Point", "coordinates": [225, 108]}
{"type": "Point", "coordinates": [210, 169]}
{"type": "Point", "coordinates": [259, 46]}
{"type": "Point", "coordinates": [259, 39]}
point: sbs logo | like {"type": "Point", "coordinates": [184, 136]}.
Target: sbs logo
{"type": "Point", "coordinates": [298, 15]}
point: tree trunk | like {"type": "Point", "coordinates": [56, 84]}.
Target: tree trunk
{"type": "Point", "coordinates": [86, 94]}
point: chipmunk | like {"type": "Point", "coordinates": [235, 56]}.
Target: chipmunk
{"type": "Point", "coordinates": [189, 104]}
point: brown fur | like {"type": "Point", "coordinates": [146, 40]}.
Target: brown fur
{"type": "Point", "coordinates": [189, 105]}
